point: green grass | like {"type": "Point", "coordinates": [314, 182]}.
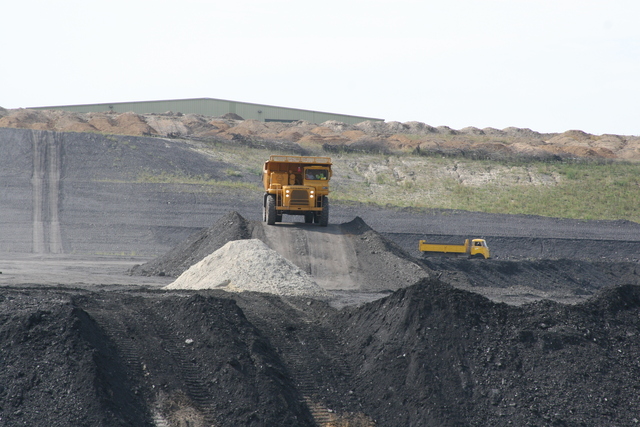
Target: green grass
{"type": "Point", "coordinates": [579, 200]}
{"type": "Point", "coordinates": [566, 190]}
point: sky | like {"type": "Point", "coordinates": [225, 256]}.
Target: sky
{"type": "Point", "coordinates": [546, 65]}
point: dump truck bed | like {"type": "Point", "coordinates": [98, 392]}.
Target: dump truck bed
{"type": "Point", "coordinates": [446, 248]}
{"type": "Point", "coordinates": [474, 248]}
{"type": "Point", "coordinates": [283, 167]}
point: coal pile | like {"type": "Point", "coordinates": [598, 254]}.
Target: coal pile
{"type": "Point", "coordinates": [118, 359]}
{"type": "Point", "coordinates": [433, 355]}
{"type": "Point", "coordinates": [196, 247]}
{"type": "Point", "coordinates": [428, 354]}
{"type": "Point", "coordinates": [59, 368]}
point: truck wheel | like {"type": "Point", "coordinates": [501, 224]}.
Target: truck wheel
{"type": "Point", "coordinates": [308, 218]}
{"type": "Point", "coordinates": [271, 210]}
{"type": "Point", "coordinates": [324, 215]}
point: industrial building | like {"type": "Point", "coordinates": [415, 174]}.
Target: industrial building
{"type": "Point", "coordinates": [214, 107]}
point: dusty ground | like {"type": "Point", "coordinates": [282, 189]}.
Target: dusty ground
{"type": "Point", "coordinates": [89, 337]}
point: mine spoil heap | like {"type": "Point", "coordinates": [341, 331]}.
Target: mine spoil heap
{"type": "Point", "coordinates": [426, 354]}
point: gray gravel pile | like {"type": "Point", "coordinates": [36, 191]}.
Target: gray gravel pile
{"type": "Point", "coordinates": [248, 265]}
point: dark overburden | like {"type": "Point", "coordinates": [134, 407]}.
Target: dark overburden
{"type": "Point", "coordinates": [426, 355]}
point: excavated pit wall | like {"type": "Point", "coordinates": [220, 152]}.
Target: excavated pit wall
{"type": "Point", "coordinates": [426, 355]}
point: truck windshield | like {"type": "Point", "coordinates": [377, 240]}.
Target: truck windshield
{"type": "Point", "coordinates": [316, 174]}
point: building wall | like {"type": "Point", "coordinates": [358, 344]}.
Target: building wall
{"type": "Point", "coordinates": [215, 107]}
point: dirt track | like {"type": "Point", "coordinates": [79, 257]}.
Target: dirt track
{"type": "Point", "coordinates": [333, 256]}
{"type": "Point", "coordinates": [86, 343]}
{"type": "Point", "coordinates": [325, 253]}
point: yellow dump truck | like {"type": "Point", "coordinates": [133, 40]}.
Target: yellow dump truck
{"type": "Point", "coordinates": [296, 185]}
{"type": "Point", "coordinates": [475, 248]}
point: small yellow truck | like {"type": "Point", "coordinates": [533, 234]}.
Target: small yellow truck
{"type": "Point", "coordinates": [475, 248]}
{"type": "Point", "coordinates": [296, 185]}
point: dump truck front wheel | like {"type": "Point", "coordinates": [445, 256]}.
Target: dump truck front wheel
{"type": "Point", "coordinates": [324, 215]}
{"type": "Point", "coordinates": [270, 210]}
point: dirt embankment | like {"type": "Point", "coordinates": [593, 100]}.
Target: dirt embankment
{"type": "Point", "coordinates": [345, 257]}
{"type": "Point", "coordinates": [382, 136]}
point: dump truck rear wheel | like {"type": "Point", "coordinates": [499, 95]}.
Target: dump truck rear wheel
{"type": "Point", "coordinates": [309, 217]}
{"type": "Point", "coordinates": [271, 210]}
{"type": "Point", "coordinates": [324, 215]}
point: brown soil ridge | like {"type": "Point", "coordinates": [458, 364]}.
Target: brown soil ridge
{"type": "Point", "coordinates": [388, 136]}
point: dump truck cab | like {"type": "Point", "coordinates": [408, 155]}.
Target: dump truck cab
{"type": "Point", "coordinates": [479, 248]}
{"type": "Point", "coordinates": [296, 185]}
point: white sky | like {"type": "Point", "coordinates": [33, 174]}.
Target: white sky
{"type": "Point", "coordinates": [548, 65]}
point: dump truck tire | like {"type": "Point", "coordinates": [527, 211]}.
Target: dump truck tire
{"type": "Point", "coordinates": [324, 215]}
{"type": "Point", "coordinates": [308, 218]}
{"type": "Point", "coordinates": [271, 210]}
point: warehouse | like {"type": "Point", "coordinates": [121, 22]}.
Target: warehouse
{"type": "Point", "coordinates": [214, 107]}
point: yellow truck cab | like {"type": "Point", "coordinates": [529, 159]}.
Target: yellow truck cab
{"type": "Point", "coordinates": [475, 248]}
{"type": "Point", "coordinates": [296, 185]}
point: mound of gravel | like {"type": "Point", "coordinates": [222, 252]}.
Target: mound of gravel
{"type": "Point", "coordinates": [248, 265]}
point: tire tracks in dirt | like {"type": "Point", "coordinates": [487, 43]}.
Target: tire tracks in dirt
{"type": "Point", "coordinates": [122, 330]}
{"type": "Point", "coordinates": [312, 352]}
{"type": "Point", "coordinates": [45, 182]}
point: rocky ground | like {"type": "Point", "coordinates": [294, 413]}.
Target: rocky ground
{"type": "Point", "coordinates": [545, 334]}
